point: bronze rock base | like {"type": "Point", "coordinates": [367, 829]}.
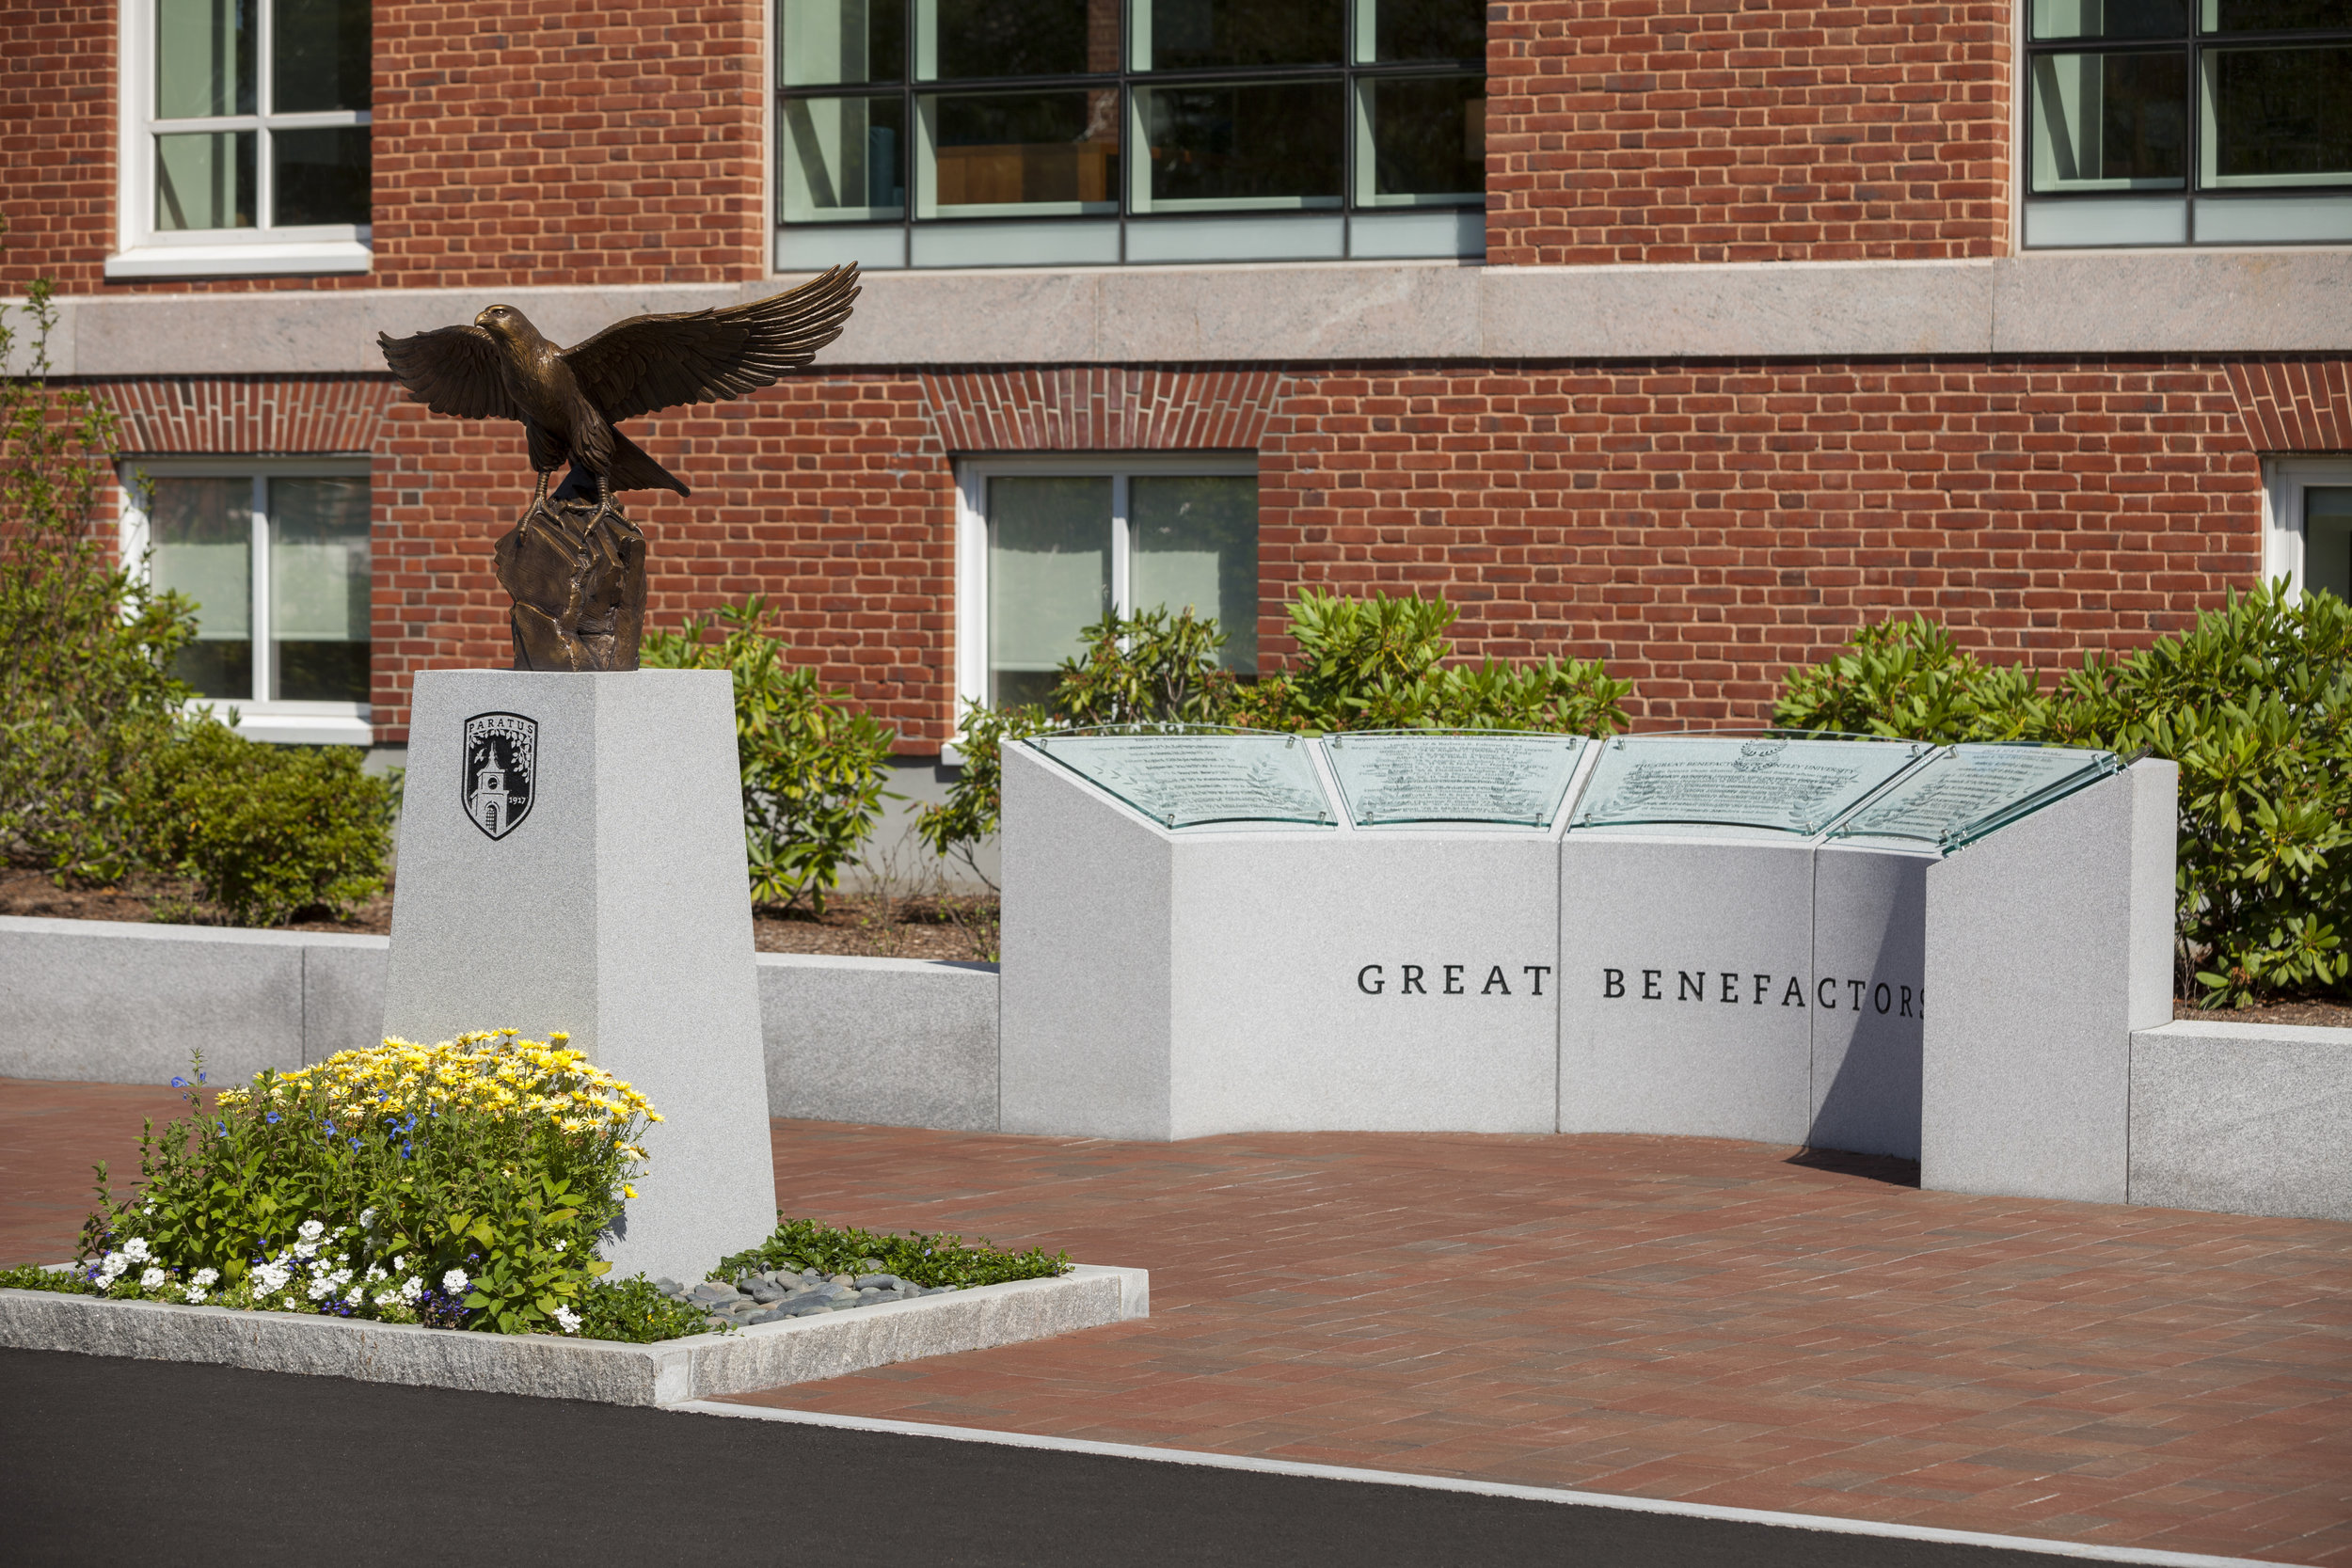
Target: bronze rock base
{"type": "Point", "coordinates": [577, 574]}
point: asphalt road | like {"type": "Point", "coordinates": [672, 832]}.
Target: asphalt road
{"type": "Point", "coordinates": [101, 1459]}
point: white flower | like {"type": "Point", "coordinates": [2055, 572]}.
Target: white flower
{"type": "Point", "coordinates": [312, 1230]}
{"type": "Point", "coordinates": [148, 1209]}
{"type": "Point", "coordinates": [367, 1216]}
{"type": "Point", "coordinates": [568, 1319]}
{"type": "Point", "coordinates": [387, 1298]}
{"type": "Point", "coordinates": [115, 1263]}
{"type": "Point", "coordinates": [375, 1272]}
{"type": "Point", "coordinates": [152, 1279]}
{"type": "Point", "coordinates": [205, 1278]}
{"type": "Point", "coordinates": [561, 1246]}
{"type": "Point", "coordinates": [400, 1261]}
{"type": "Point", "coordinates": [195, 1297]}
{"type": "Point", "coordinates": [322, 1288]}
{"type": "Point", "coordinates": [271, 1277]}
{"type": "Point", "coordinates": [359, 1295]}
{"type": "Point", "coordinates": [306, 1249]}
{"type": "Point", "coordinates": [293, 1305]}
{"type": "Point", "coordinates": [136, 1249]}
{"type": "Point", "coordinates": [339, 1278]}
{"type": "Point", "coordinates": [454, 1281]}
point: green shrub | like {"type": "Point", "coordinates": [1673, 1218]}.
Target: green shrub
{"type": "Point", "coordinates": [1151, 667]}
{"type": "Point", "coordinates": [926, 1260]}
{"type": "Point", "coordinates": [88, 701]}
{"type": "Point", "coordinates": [270, 834]}
{"type": "Point", "coordinates": [972, 811]}
{"type": "Point", "coordinates": [2255, 706]}
{"type": "Point", "coordinates": [813, 767]}
{"type": "Point", "coordinates": [463, 1184]}
{"type": "Point", "coordinates": [632, 1311]}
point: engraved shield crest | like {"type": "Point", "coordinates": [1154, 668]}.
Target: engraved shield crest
{"type": "Point", "coordinates": [501, 771]}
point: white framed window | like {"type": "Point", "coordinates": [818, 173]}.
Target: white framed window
{"type": "Point", "coordinates": [244, 137]}
{"type": "Point", "coordinates": [1047, 545]}
{"type": "Point", "coordinates": [2306, 523]}
{"type": "Point", "coordinates": [274, 554]}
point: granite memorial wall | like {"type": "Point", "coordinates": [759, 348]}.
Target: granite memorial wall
{"type": "Point", "coordinates": [1717, 935]}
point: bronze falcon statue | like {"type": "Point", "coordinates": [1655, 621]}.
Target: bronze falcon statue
{"type": "Point", "coordinates": [577, 571]}
{"type": "Point", "coordinates": [568, 399]}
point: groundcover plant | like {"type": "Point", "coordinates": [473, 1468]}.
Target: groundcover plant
{"type": "Point", "coordinates": [458, 1185]}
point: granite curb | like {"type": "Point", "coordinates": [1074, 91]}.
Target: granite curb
{"type": "Point", "coordinates": [703, 1366]}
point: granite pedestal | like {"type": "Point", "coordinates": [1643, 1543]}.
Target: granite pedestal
{"type": "Point", "coordinates": [604, 894]}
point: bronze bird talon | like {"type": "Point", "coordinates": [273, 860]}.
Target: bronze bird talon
{"type": "Point", "coordinates": [569, 402]}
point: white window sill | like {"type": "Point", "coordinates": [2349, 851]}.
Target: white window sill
{"type": "Point", "coordinates": [255, 260]}
{"type": "Point", "coordinates": [294, 723]}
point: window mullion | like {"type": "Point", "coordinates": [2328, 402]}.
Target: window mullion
{"type": "Point", "coordinates": [257, 623]}
{"type": "Point", "coordinates": [1123, 551]}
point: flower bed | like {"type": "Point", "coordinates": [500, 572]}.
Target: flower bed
{"type": "Point", "coordinates": [459, 1185]}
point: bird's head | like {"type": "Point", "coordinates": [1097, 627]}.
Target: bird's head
{"type": "Point", "coordinates": [506, 322]}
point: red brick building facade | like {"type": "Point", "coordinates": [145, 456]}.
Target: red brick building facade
{"type": "Point", "coordinates": [1757, 351]}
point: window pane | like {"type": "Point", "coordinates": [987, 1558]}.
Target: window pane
{"type": "Point", "coordinates": [1024, 37]}
{"type": "Point", "coordinates": [318, 589]}
{"type": "Point", "coordinates": [320, 56]}
{"type": "Point", "coordinates": [321, 176]}
{"type": "Point", "coordinates": [844, 159]}
{"type": "Point", "coordinates": [1190, 34]}
{"type": "Point", "coordinates": [1195, 544]}
{"type": "Point", "coordinates": [1049, 574]}
{"type": "Point", "coordinates": [200, 541]}
{"type": "Point", "coordinates": [204, 57]}
{"type": "Point", "coordinates": [2109, 121]}
{"type": "Point", "coordinates": [2281, 117]}
{"type": "Point", "coordinates": [1270, 144]}
{"type": "Point", "coordinates": [1424, 29]}
{"type": "Point", "coordinates": [1011, 149]}
{"type": "Point", "coordinates": [2109, 19]}
{"type": "Point", "coordinates": [1428, 136]}
{"type": "Point", "coordinates": [205, 181]}
{"type": "Point", "coordinates": [844, 40]}
{"type": "Point", "coordinates": [2328, 540]}
{"type": "Point", "coordinates": [2246, 16]}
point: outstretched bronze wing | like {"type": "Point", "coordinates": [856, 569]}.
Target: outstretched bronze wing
{"type": "Point", "coordinates": [453, 370]}
{"type": "Point", "coordinates": [649, 362]}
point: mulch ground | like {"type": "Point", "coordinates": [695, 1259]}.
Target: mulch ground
{"type": "Point", "coordinates": [1720, 1322]}
{"type": "Point", "coordinates": [855, 924]}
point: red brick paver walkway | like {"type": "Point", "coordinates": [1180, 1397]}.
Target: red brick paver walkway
{"type": "Point", "coordinates": [1659, 1317]}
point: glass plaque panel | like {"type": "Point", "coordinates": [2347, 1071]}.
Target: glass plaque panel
{"type": "Point", "coordinates": [1430, 776]}
{"type": "Point", "coordinates": [1961, 794]}
{"type": "Point", "coordinates": [1189, 778]}
{"type": "Point", "coordinates": [1784, 785]}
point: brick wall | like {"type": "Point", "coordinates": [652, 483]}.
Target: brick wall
{"type": "Point", "coordinates": [1746, 131]}
{"type": "Point", "coordinates": [560, 143]}
{"type": "Point", "coordinates": [1700, 527]}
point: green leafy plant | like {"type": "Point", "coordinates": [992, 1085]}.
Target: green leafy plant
{"type": "Point", "coordinates": [88, 701]}
{"type": "Point", "coordinates": [269, 833]}
{"type": "Point", "coordinates": [1150, 667]}
{"type": "Point", "coordinates": [926, 1260]}
{"type": "Point", "coordinates": [2254, 702]}
{"type": "Point", "coordinates": [975, 803]}
{"type": "Point", "coordinates": [460, 1184]}
{"type": "Point", "coordinates": [633, 1312]}
{"type": "Point", "coordinates": [813, 767]}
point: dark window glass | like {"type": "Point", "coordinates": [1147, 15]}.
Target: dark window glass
{"type": "Point", "coordinates": [200, 545]}
{"type": "Point", "coordinates": [2109, 117]}
{"type": "Point", "coordinates": [842, 156]}
{"type": "Point", "coordinates": [1430, 30]}
{"type": "Point", "coordinates": [321, 176]}
{"type": "Point", "coordinates": [1428, 137]}
{"type": "Point", "coordinates": [1009, 148]}
{"type": "Point", "coordinates": [318, 576]}
{"type": "Point", "coordinates": [204, 57]}
{"type": "Point", "coordinates": [1192, 34]}
{"type": "Point", "coordinates": [2109, 19]}
{"type": "Point", "coordinates": [2246, 16]}
{"type": "Point", "coordinates": [1258, 140]}
{"type": "Point", "coordinates": [1022, 37]}
{"type": "Point", "coordinates": [2282, 112]}
{"type": "Point", "coordinates": [321, 49]}
{"type": "Point", "coordinates": [1195, 546]}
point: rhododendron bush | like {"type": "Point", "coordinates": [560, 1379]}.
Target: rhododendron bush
{"type": "Point", "coordinates": [463, 1184]}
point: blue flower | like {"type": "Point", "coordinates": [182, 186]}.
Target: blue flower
{"type": "Point", "coordinates": [406, 1151]}
{"type": "Point", "coordinates": [199, 1077]}
{"type": "Point", "coordinates": [222, 1126]}
{"type": "Point", "coordinates": [355, 1142]}
{"type": "Point", "coordinates": [273, 1119]}
{"type": "Point", "coordinates": [179, 1083]}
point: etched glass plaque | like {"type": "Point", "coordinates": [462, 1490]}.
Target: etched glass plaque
{"type": "Point", "coordinates": [1431, 776]}
{"type": "Point", "coordinates": [1782, 784]}
{"type": "Point", "coordinates": [1961, 794]}
{"type": "Point", "coordinates": [1190, 778]}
